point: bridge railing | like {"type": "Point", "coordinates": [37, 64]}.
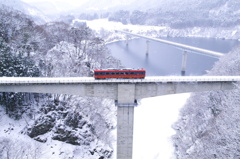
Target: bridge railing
{"type": "Point", "coordinates": [64, 80]}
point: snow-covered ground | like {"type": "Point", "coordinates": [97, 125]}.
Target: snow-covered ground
{"type": "Point", "coordinates": [153, 119]}
{"type": "Point", "coordinates": [102, 25]}
{"type": "Point", "coordinates": [106, 29]}
{"type": "Point", "coordinates": [152, 132]}
{"type": "Point", "coordinates": [16, 144]}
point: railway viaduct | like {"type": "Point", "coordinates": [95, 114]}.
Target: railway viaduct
{"type": "Point", "coordinates": [125, 92]}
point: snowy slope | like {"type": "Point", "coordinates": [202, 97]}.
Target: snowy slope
{"type": "Point", "coordinates": [61, 6]}
{"type": "Point", "coordinates": [118, 5]}
{"type": "Point", "coordinates": [16, 144]}
{"type": "Point", "coordinates": [35, 13]}
{"type": "Point", "coordinates": [51, 7]}
{"type": "Point", "coordinates": [106, 30]}
{"type": "Point", "coordinates": [15, 4]}
{"type": "Point", "coordinates": [152, 132]}
{"type": "Point", "coordinates": [152, 126]}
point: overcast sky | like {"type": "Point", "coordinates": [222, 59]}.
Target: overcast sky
{"type": "Point", "coordinates": [53, 0]}
{"type": "Point", "coordinates": [63, 6]}
{"type": "Point", "coordinates": [57, 1]}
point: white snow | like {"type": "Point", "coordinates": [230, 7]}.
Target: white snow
{"type": "Point", "coordinates": [152, 131]}
{"type": "Point", "coordinates": [152, 126]}
{"type": "Point", "coordinates": [103, 25]}
{"type": "Point", "coordinates": [100, 24]}
{"type": "Point", "coordinates": [18, 145]}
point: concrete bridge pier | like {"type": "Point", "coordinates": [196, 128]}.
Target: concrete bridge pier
{"type": "Point", "coordinates": [127, 38]}
{"type": "Point", "coordinates": [125, 116]}
{"type": "Point", "coordinates": [125, 120]}
{"type": "Point", "coordinates": [147, 49]}
{"type": "Point", "coordinates": [184, 63]}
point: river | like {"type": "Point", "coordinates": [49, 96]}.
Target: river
{"type": "Point", "coordinates": [163, 60]}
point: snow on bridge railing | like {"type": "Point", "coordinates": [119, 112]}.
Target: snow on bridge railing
{"type": "Point", "coordinates": [148, 79]}
{"type": "Point", "coordinates": [193, 78]}
{"type": "Point", "coordinates": [178, 45]}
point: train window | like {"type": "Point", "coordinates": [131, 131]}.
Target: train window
{"type": "Point", "coordinates": [139, 73]}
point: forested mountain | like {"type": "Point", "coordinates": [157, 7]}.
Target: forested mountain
{"type": "Point", "coordinates": [209, 123]}
{"type": "Point", "coordinates": [33, 13]}
{"type": "Point", "coordinates": [177, 14]}
{"type": "Point", "coordinates": [184, 14]}
{"type": "Point", "coordinates": [90, 6]}
{"type": "Point", "coordinates": [52, 50]}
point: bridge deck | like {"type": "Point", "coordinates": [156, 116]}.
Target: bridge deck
{"type": "Point", "coordinates": [178, 45]}
{"type": "Point", "coordinates": [150, 79]}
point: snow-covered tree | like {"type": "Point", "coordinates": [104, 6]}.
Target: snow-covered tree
{"type": "Point", "coordinates": [122, 16]}
{"type": "Point", "coordinates": [13, 65]}
{"type": "Point", "coordinates": [138, 17]}
{"type": "Point", "coordinates": [57, 49]}
{"type": "Point", "coordinates": [209, 123]}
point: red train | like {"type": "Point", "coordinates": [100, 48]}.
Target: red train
{"type": "Point", "coordinates": [120, 73]}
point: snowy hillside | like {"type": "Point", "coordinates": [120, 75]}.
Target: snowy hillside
{"type": "Point", "coordinates": [152, 134]}
{"type": "Point", "coordinates": [106, 30]}
{"type": "Point", "coordinates": [15, 4]}
{"type": "Point", "coordinates": [15, 144]}
{"type": "Point", "coordinates": [109, 5]}
{"type": "Point", "coordinates": [74, 6]}
{"type": "Point", "coordinates": [208, 126]}
{"type": "Point", "coordinates": [176, 14]}
{"type": "Point", "coordinates": [35, 13]}
{"type": "Point", "coordinates": [52, 8]}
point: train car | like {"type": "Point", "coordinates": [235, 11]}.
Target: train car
{"type": "Point", "coordinates": [120, 73]}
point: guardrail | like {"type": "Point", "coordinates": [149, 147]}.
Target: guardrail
{"type": "Point", "coordinates": [149, 79]}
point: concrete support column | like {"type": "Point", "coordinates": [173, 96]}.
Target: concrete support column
{"type": "Point", "coordinates": [125, 116]}
{"type": "Point", "coordinates": [147, 49]}
{"type": "Point", "coordinates": [125, 120]}
{"type": "Point", "coordinates": [184, 62]}
{"type": "Point", "coordinates": [127, 38]}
